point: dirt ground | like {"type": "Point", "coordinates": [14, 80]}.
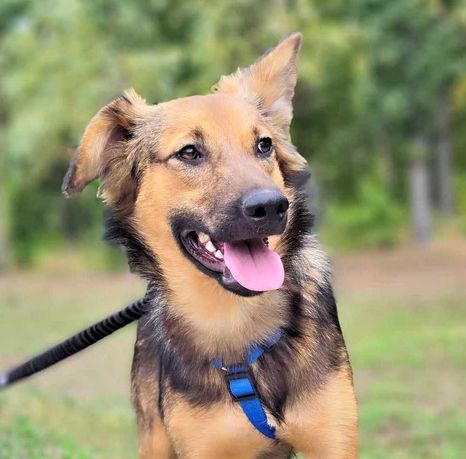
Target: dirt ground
{"type": "Point", "coordinates": [411, 270]}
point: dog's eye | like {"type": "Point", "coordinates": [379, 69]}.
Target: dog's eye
{"type": "Point", "coordinates": [264, 146]}
{"type": "Point", "coordinates": [189, 153]}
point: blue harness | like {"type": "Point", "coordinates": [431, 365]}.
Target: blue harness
{"type": "Point", "coordinates": [242, 388]}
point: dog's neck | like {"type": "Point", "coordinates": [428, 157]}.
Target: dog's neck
{"type": "Point", "coordinates": [224, 324]}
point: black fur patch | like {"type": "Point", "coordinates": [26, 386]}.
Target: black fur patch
{"type": "Point", "coordinates": [141, 259]}
{"type": "Point", "coordinates": [299, 227]}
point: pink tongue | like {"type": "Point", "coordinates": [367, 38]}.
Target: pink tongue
{"type": "Point", "coordinates": [254, 265]}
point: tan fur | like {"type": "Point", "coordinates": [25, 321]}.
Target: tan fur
{"type": "Point", "coordinates": [97, 144]}
{"type": "Point", "coordinates": [322, 423]}
{"type": "Point", "coordinates": [154, 443]}
{"type": "Point", "coordinates": [221, 431]}
{"type": "Point", "coordinates": [270, 82]}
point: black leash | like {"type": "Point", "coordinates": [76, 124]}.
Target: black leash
{"type": "Point", "coordinates": [76, 343]}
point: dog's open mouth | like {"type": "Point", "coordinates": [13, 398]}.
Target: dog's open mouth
{"type": "Point", "coordinates": [250, 263]}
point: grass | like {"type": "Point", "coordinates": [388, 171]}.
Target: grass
{"type": "Point", "coordinates": [409, 371]}
{"type": "Point", "coordinates": [403, 315]}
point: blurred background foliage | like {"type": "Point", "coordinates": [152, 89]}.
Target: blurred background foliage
{"type": "Point", "coordinates": [379, 109]}
{"type": "Point", "coordinates": [380, 115]}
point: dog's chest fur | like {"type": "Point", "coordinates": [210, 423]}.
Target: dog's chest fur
{"type": "Point", "coordinates": [169, 373]}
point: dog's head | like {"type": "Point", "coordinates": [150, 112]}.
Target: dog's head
{"type": "Point", "coordinates": [206, 181]}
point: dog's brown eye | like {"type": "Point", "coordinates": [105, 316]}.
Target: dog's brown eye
{"type": "Point", "coordinates": [189, 153]}
{"type": "Point", "coordinates": [264, 146]}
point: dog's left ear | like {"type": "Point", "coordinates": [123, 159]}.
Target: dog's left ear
{"type": "Point", "coordinates": [270, 82]}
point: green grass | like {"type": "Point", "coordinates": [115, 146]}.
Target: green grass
{"type": "Point", "coordinates": [406, 344]}
{"type": "Point", "coordinates": [410, 368]}
{"type": "Point", "coordinates": [80, 409]}
{"type": "Point", "coordinates": [26, 440]}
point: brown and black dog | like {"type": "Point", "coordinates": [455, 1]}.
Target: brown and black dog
{"type": "Point", "coordinates": [206, 195]}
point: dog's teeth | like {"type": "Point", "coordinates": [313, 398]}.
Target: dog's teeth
{"type": "Point", "coordinates": [218, 255]}
{"type": "Point", "coordinates": [203, 238]}
{"type": "Point", "coordinates": [210, 247]}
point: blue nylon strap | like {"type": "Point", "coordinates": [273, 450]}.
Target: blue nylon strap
{"type": "Point", "coordinates": [254, 353]}
{"type": "Point", "coordinates": [242, 389]}
{"type": "Point", "coordinates": [255, 413]}
{"type": "Point", "coordinates": [256, 350]}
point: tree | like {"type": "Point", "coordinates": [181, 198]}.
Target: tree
{"type": "Point", "coordinates": [415, 53]}
{"type": "Point", "coordinates": [451, 34]}
{"type": "Point", "coordinates": [443, 156]}
{"type": "Point", "coordinates": [375, 77]}
{"type": "Point", "coordinates": [419, 191]}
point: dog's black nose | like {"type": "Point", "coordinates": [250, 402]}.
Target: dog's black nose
{"type": "Point", "coordinates": [265, 206]}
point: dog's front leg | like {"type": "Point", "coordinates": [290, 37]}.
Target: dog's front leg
{"type": "Point", "coordinates": [154, 443]}
{"type": "Point", "coordinates": [323, 423]}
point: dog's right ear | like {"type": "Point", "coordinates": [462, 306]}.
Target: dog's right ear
{"type": "Point", "coordinates": [103, 142]}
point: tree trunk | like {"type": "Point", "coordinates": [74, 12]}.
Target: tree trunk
{"type": "Point", "coordinates": [420, 192]}
{"type": "Point", "coordinates": [443, 158]}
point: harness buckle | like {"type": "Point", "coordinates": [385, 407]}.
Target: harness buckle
{"type": "Point", "coordinates": [240, 386]}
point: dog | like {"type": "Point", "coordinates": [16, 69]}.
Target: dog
{"type": "Point", "coordinates": [207, 195]}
